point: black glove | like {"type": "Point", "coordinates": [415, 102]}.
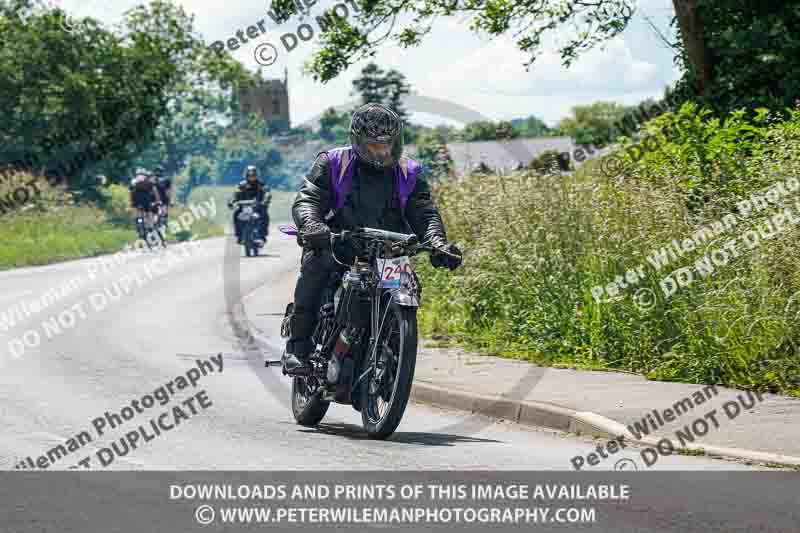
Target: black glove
{"type": "Point", "coordinates": [446, 255]}
{"type": "Point", "coordinates": [316, 235]}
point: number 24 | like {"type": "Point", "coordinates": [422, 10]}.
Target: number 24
{"type": "Point", "coordinates": [389, 271]}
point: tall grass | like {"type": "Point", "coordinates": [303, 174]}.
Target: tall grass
{"type": "Point", "coordinates": [536, 245]}
{"type": "Point", "coordinates": [51, 237]}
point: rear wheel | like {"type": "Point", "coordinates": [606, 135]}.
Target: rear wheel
{"type": "Point", "coordinates": [385, 396]}
{"type": "Point", "coordinates": [307, 407]}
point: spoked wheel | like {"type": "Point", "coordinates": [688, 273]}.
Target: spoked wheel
{"type": "Point", "coordinates": [386, 394]}
{"type": "Point", "coordinates": [307, 407]}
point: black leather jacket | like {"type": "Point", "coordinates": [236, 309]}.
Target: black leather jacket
{"type": "Point", "coordinates": [247, 191]}
{"type": "Point", "coordinates": [372, 202]}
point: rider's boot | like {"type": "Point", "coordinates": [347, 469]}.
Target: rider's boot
{"type": "Point", "coordinates": [296, 356]}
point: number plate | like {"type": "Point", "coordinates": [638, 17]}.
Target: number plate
{"type": "Point", "coordinates": [391, 270]}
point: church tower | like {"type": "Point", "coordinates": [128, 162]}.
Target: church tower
{"type": "Point", "coordinates": [268, 98]}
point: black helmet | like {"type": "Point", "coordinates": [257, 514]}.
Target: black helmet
{"type": "Point", "coordinates": [250, 170]}
{"type": "Point", "coordinates": [158, 171]}
{"type": "Point", "coordinates": [376, 134]}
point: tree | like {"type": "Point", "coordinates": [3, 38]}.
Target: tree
{"type": "Point", "coordinates": [245, 143]}
{"type": "Point", "coordinates": [387, 88]}
{"type": "Point", "coordinates": [135, 92]}
{"type": "Point", "coordinates": [370, 85]}
{"type": "Point", "coordinates": [334, 127]}
{"type": "Point", "coordinates": [531, 127]}
{"type": "Point", "coordinates": [594, 123]}
{"type": "Point", "coordinates": [347, 41]}
{"type": "Point", "coordinates": [202, 96]}
{"type": "Point", "coordinates": [65, 120]}
{"type": "Point", "coordinates": [733, 53]}
{"type": "Point", "coordinates": [694, 43]}
{"type": "Point", "coordinates": [199, 170]}
{"type": "Point", "coordinates": [395, 89]}
{"type": "Point", "coordinates": [433, 155]}
{"type": "Point", "coordinates": [739, 53]}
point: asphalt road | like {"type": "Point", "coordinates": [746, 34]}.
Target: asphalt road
{"type": "Point", "coordinates": [107, 355]}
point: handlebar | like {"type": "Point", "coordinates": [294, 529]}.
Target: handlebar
{"type": "Point", "coordinates": [399, 242]}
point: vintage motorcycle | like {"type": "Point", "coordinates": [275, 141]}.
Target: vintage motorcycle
{"type": "Point", "coordinates": [251, 226]}
{"type": "Point", "coordinates": [366, 336]}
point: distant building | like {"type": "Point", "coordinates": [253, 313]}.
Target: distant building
{"type": "Point", "coordinates": [500, 156]}
{"type": "Point", "coordinates": [268, 98]}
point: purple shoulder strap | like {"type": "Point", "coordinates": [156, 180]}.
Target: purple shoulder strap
{"type": "Point", "coordinates": [342, 168]}
{"type": "Point", "coordinates": [341, 160]}
{"type": "Point", "coordinates": [405, 175]}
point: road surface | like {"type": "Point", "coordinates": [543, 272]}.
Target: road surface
{"type": "Point", "coordinates": [85, 355]}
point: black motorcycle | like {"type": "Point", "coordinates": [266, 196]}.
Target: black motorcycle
{"type": "Point", "coordinates": [249, 218]}
{"type": "Point", "coordinates": [366, 336]}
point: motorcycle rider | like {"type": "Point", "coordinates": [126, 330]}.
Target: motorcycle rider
{"type": "Point", "coordinates": [383, 195]}
{"type": "Point", "coordinates": [251, 188]}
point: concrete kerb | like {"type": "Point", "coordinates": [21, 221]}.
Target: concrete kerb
{"type": "Point", "coordinates": [552, 416]}
{"type": "Point", "coordinates": [543, 414]}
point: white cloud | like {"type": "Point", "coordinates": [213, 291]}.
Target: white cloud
{"type": "Point", "coordinates": [452, 62]}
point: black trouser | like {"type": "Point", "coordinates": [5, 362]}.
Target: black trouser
{"type": "Point", "coordinates": [263, 221]}
{"type": "Point", "coordinates": [317, 272]}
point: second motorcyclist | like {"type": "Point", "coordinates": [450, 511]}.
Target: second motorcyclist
{"type": "Point", "coordinates": [251, 188]}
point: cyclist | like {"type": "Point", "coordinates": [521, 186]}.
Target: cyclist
{"type": "Point", "coordinates": [144, 195]}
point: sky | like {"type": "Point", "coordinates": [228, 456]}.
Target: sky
{"type": "Point", "coordinates": [484, 74]}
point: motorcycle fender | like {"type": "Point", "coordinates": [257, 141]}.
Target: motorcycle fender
{"type": "Point", "coordinates": [406, 297]}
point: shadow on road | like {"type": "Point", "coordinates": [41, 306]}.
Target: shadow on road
{"type": "Point", "coordinates": [354, 432]}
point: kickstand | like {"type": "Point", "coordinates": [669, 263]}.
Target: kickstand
{"type": "Point", "coordinates": [269, 363]}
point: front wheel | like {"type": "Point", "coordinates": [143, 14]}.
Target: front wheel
{"type": "Point", "coordinates": [307, 407]}
{"type": "Point", "coordinates": [388, 388]}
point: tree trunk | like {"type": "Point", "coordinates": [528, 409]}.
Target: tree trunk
{"type": "Point", "coordinates": [694, 42]}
